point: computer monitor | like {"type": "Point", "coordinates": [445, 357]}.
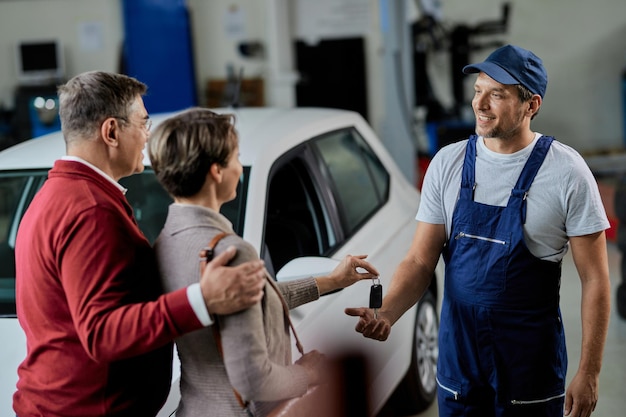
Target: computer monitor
{"type": "Point", "coordinates": [40, 62]}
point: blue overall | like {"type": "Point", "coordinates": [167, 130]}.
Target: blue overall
{"type": "Point", "coordinates": [501, 342]}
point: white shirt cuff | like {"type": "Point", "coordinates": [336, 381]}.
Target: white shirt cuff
{"type": "Point", "coordinates": [194, 295]}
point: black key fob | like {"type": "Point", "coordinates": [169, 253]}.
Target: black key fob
{"type": "Point", "coordinates": [376, 296]}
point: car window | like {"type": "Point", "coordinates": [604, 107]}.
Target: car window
{"type": "Point", "coordinates": [149, 201]}
{"type": "Point", "coordinates": [297, 223]}
{"type": "Point", "coordinates": [16, 191]}
{"type": "Point", "coordinates": [319, 194]}
{"type": "Point", "coordinates": [360, 182]}
{"type": "Point", "coordinates": [235, 209]}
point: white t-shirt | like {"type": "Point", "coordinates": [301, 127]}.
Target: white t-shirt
{"type": "Point", "coordinates": [563, 199]}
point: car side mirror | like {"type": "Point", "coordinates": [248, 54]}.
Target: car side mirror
{"type": "Point", "coordinates": [304, 267]}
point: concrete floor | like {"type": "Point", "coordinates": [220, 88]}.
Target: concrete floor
{"type": "Point", "coordinates": [612, 396]}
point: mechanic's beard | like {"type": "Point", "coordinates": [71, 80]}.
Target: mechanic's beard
{"type": "Point", "coordinates": [503, 134]}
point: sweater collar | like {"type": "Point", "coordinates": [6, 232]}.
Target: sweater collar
{"type": "Point", "coordinates": [192, 215]}
{"type": "Point", "coordinates": [95, 168]}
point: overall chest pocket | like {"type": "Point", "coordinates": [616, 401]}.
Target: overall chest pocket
{"type": "Point", "coordinates": [479, 260]}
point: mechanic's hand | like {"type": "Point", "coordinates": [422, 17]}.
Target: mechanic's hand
{"type": "Point", "coordinates": [346, 274]}
{"type": "Point", "coordinates": [315, 364]}
{"type": "Point", "coordinates": [227, 290]}
{"type": "Point", "coordinates": [374, 328]}
{"type": "Point", "coordinates": [582, 395]}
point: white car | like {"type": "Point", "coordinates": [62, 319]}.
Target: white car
{"type": "Point", "coordinates": [317, 184]}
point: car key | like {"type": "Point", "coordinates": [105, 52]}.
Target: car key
{"type": "Point", "coordinates": [376, 296]}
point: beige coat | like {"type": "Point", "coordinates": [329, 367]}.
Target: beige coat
{"type": "Point", "coordinates": [256, 342]}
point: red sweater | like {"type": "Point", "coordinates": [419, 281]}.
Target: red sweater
{"type": "Point", "coordinates": [99, 333]}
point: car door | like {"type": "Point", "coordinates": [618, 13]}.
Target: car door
{"type": "Point", "coordinates": [330, 197]}
{"type": "Point", "coordinates": [319, 196]}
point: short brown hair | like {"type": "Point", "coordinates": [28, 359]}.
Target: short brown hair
{"type": "Point", "coordinates": [525, 95]}
{"type": "Point", "coordinates": [183, 148]}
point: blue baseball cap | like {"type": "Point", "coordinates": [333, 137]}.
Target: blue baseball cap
{"type": "Point", "coordinates": [511, 64]}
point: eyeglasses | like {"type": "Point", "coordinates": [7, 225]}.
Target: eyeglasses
{"type": "Point", "coordinates": [146, 123]}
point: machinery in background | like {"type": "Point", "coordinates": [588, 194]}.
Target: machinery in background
{"type": "Point", "coordinates": [429, 35]}
{"type": "Point", "coordinates": [36, 111]}
{"type": "Point", "coordinates": [40, 67]}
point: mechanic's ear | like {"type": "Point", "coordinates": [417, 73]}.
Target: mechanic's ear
{"type": "Point", "coordinates": [535, 104]}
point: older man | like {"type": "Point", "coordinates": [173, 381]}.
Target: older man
{"type": "Point", "coordinates": [99, 331]}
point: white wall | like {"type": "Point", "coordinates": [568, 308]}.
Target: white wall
{"type": "Point", "coordinates": [582, 43]}
{"type": "Point", "coordinates": [215, 43]}
{"type": "Point", "coordinates": [62, 19]}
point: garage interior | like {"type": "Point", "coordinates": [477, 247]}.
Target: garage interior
{"type": "Point", "coordinates": [394, 62]}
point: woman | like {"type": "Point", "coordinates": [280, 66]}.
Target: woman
{"type": "Point", "coordinates": [195, 157]}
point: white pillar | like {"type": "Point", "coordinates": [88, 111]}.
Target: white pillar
{"type": "Point", "coordinates": [396, 130]}
{"type": "Point", "coordinates": [281, 77]}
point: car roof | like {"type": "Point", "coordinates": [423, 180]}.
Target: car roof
{"type": "Point", "coordinates": [260, 129]}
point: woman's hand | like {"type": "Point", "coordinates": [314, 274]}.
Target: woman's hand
{"type": "Point", "coordinates": [314, 363]}
{"type": "Point", "coordinates": [346, 274]}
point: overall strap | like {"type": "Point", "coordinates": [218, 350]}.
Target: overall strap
{"type": "Point", "coordinates": [529, 172]}
{"type": "Point", "coordinates": [534, 162]}
{"type": "Point", "coordinates": [468, 176]}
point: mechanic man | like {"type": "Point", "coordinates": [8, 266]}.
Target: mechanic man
{"type": "Point", "coordinates": [503, 207]}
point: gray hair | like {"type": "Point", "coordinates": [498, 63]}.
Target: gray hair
{"type": "Point", "coordinates": [87, 99]}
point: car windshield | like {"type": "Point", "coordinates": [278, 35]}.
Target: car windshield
{"type": "Point", "coordinates": [145, 194]}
